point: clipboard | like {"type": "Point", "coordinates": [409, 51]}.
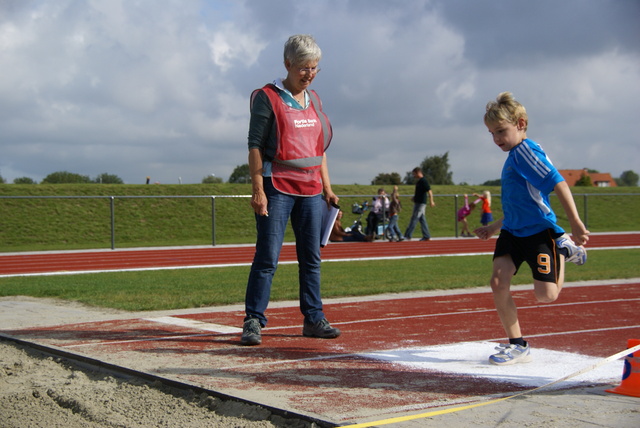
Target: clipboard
{"type": "Point", "coordinates": [329, 215]}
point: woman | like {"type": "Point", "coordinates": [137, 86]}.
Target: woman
{"type": "Point", "coordinates": [288, 135]}
{"type": "Point", "coordinates": [339, 234]}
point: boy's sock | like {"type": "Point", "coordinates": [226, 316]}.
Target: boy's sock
{"type": "Point", "coordinates": [518, 341]}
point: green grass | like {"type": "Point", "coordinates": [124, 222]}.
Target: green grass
{"type": "Point", "coordinates": [142, 221]}
{"type": "Point", "coordinates": [192, 288]}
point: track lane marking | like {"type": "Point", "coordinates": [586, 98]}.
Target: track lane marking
{"type": "Point", "coordinates": [194, 324]}
{"type": "Point", "coordinates": [211, 266]}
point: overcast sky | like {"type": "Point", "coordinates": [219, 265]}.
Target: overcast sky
{"type": "Point", "coordinates": [161, 88]}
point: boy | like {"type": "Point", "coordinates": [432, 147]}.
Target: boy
{"type": "Point", "coordinates": [528, 230]}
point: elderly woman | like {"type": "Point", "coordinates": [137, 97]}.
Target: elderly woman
{"type": "Point", "coordinates": [288, 136]}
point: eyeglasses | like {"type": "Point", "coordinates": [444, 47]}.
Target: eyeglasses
{"type": "Point", "coordinates": [312, 70]}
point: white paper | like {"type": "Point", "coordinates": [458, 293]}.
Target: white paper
{"type": "Point", "coordinates": [329, 215]}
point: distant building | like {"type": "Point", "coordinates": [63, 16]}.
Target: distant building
{"type": "Point", "coordinates": [598, 179]}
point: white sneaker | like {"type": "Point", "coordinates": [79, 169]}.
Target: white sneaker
{"type": "Point", "coordinates": [577, 253]}
{"type": "Point", "coordinates": [511, 354]}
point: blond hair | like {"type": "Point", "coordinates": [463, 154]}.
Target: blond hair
{"type": "Point", "coordinates": [506, 108]}
{"type": "Point", "coordinates": [487, 196]}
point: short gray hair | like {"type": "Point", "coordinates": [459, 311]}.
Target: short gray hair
{"type": "Point", "coordinates": [301, 48]}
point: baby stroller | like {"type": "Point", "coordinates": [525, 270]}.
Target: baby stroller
{"type": "Point", "coordinates": [358, 209]}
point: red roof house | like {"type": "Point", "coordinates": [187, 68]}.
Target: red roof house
{"type": "Point", "coordinates": [598, 179]}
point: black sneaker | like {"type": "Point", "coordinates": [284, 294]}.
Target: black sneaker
{"type": "Point", "coordinates": [320, 329]}
{"type": "Point", "coordinates": [251, 332]}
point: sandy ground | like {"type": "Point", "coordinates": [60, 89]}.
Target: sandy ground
{"type": "Point", "coordinates": [37, 390]}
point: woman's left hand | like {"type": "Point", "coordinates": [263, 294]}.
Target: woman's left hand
{"type": "Point", "coordinates": [331, 198]}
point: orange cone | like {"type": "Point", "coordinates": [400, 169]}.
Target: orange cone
{"type": "Point", "coordinates": [631, 374]}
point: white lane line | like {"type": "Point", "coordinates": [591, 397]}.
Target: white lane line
{"type": "Point", "coordinates": [196, 325]}
{"type": "Point", "coordinates": [354, 259]}
{"type": "Point", "coordinates": [222, 329]}
{"type": "Point", "coordinates": [479, 311]}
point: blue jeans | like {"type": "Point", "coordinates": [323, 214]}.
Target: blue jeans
{"type": "Point", "coordinates": [306, 220]}
{"type": "Point", "coordinates": [418, 214]}
{"type": "Point", "coordinates": [393, 228]}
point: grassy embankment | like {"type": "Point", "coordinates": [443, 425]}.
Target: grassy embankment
{"type": "Point", "coordinates": [142, 221]}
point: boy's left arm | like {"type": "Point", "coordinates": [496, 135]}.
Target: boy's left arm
{"type": "Point", "coordinates": [578, 230]}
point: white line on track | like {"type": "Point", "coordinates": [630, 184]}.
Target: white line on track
{"type": "Point", "coordinates": [196, 325]}
{"type": "Point", "coordinates": [353, 259]}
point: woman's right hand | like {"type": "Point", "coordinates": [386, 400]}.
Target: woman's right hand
{"type": "Point", "coordinates": [259, 203]}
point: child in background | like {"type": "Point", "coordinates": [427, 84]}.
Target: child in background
{"type": "Point", "coordinates": [394, 209]}
{"type": "Point", "coordinates": [487, 217]}
{"type": "Point", "coordinates": [463, 213]}
{"type": "Point", "coordinates": [528, 230]}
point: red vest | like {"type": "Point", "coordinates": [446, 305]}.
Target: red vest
{"type": "Point", "coordinates": [303, 136]}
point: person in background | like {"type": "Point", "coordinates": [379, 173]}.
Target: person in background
{"type": "Point", "coordinates": [419, 199]}
{"type": "Point", "coordinates": [528, 231]}
{"type": "Point", "coordinates": [395, 207]}
{"type": "Point", "coordinates": [487, 216]}
{"type": "Point", "coordinates": [463, 213]}
{"type": "Point", "coordinates": [289, 175]}
{"type": "Point", "coordinates": [339, 234]}
{"type": "Point", "coordinates": [379, 211]}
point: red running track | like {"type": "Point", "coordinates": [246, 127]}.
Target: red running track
{"type": "Point", "coordinates": [100, 260]}
{"type": "Point", "coordinates": [335, 380]}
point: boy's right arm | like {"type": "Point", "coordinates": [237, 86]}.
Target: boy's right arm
{"type": "Point", "coordinates": [579, 232]}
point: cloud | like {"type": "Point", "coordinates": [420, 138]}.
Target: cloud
{"type": "Point", "coordinates": [162, 89]}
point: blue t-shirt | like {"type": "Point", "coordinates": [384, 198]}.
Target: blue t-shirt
{"type": "Point", "coordinates": [528, 176]}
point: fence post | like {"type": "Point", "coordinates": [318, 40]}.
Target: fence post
{"type": "Point", "coordinates": [113, 224]}
{"type": "Point", "coordinates": [213, 220]}
{"type": "Point", "coordinates": [455, 213]}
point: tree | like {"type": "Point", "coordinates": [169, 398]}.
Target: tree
{"type": "Point", "coordinates": [389, 179]}
{"type": "Point", "coordinates": [105, 178]}
{"type": "Point", "coordinates": [23, 180]}
{"type": "Point", "coordinates": [496, 182]}
{"type": "Point", "coordinates": [60, 177]}
{"type": "Point", "coordinates": [240, 174]}
{"type": "Point", "coordinates": [408, 178]}
{"type": "Point", "coordinates": [211, 179]}
{"type": "Point", "coordinates": [2, 180]}
{"type": "Point", "coordinates": [436, 169]}
{"type": "Point", "coordinates": [584, 181]}
{"type": "Point", "coordinates": [628, 178]}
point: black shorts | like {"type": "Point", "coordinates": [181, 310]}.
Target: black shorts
{"type": "Point", "coordinates": [539, 251]}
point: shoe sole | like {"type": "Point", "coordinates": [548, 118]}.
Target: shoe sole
{"type": "Point", "coordinates": [332, 336]}
{"type": "Point", "coordinates": [526, 359]}
{"type": "Point", "coordinates": [579, 258]}
{"type": "Point", "coordinates": [250, 342]}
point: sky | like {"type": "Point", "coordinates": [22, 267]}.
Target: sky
{"type": "Point", "coordinates": [160, 88]}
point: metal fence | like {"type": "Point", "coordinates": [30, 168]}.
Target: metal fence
{"type": "Point", "coordinates": [450, 201]}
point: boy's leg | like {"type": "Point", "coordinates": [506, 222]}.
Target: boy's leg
{"type": "Point", "coordinates": [503, 271]}
{"type": "Point", "coordinates": [517, 350]}
{"type": "Point", "coordinates": [547, 267]}
{"type": "Point", "coordinates": [547, 292]}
